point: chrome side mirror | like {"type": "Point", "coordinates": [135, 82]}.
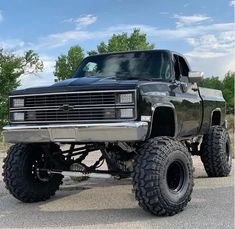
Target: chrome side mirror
{"type": "Point", "coordinates": [195, 76]}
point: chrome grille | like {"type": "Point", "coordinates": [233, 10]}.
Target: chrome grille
{"type": "Point", "coordinates": [71, 107]}
{"type": "Point", "coordinates": [73, 115]}
{"type": "Point", "coordinates": [70, 99]}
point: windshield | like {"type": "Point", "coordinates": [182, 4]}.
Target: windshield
{"type": "Point", "coordinates": [136, 65]}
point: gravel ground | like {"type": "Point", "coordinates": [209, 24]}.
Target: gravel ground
{"type": "Point", "coordinates": [109, 203]}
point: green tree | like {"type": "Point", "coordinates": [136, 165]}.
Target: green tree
{"type": "Point", "coordinates": [228, 90]}
{"type": "Point", "coordinates": [124, 42]}
{"type": "Point", "coordinates": [66, 65]}
{"type": "Point", "coordinates": [11, 68]}
{"type": "Point", "coordinates": [226, 86]}
{"type": "Point", "coordinates": [212, 82]}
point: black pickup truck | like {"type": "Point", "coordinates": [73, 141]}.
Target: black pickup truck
{"type": "Point", "coordinates": [142, 109]}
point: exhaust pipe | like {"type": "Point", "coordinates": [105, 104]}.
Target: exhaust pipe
{"type": "Point", "coordinates": [80, 174]}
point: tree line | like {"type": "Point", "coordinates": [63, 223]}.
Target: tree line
{"type": "Point", "coordinates": [12, 67]}
{"type": "Point", "coordinates": [226, 85]}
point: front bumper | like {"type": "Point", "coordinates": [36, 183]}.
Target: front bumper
{"type": "Point", "coordinates": [99, 132]}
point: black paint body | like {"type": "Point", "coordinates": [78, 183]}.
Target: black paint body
{"type": "Point", "coordinates": [193, 107]}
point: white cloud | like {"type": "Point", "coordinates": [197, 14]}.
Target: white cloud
{"type": "Point", "coordinates": [12, 44]}
{"type": "Point", "coordinates": [213, 53]}
{"type": "Point", "coordinates": [183, 20]}
{"type": "Point", "coordinates": [44, 78]}
{"type": "Point", "coordinates": [211, 44]}
{"type": "Point", "coordinates": [221, 43]}
{"type": "Point", "coordinates": [1, 16]}
{"type": "Point", "coordinates": [232, 3]}
{"type": "Point", "coordinates": [175, 33]}
{"type": "Point", "coordinates": [83, 21]}
{"type": "Point", "coordinates": [79, 33]}
{"type": "Point", "coordinates": [214, 65]}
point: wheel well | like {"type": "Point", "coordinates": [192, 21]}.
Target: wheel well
{"type": "Point", "coordinates": [216, 118]}
{"type": "Point", "coordinates": [163, 122]}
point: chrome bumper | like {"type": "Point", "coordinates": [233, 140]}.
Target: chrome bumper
{"type": "Point", "coordinates": [99, 132]}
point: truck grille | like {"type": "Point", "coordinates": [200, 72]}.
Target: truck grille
{"type": "Point", "coordinates": [57, 115]}
{"type": "Point", "coordinates": [70, 99]}
{"type": "Point", "coordinates": [71, 107]}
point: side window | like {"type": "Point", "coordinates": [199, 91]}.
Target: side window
{"type": "Point", "coordinates": [183, 66]}
{"type": "Point", "coordinates": [176, 67]}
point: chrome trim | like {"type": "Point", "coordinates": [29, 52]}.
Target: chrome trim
{"type": "Point", "coordinates": [77, 108]}
{"type": "Point", "coordinates": [97, 132]}
{"type": "Point", "coordinates": [76, 121]}
{"type": "Point", "coordinates": [72, 92]}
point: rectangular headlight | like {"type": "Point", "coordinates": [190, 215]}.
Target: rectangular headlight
{"type": "Point", "coordinates": [18, 102]}
{"type": "Point", "coordinates": [126, 98]}
{"type": "Point", "coordinates": [18, 116]}
{"type": "Point", "coordinates": [126, 113]}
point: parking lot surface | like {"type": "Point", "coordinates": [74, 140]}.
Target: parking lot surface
{"type": "Point", "coordinates": [109, 203]}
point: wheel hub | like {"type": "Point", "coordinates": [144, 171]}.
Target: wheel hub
{"type": "Point", "coordinates": [38, 170]}
{"type": "Point", "coordinates": [175, 176]}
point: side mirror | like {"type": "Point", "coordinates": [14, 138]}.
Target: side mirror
{"type": "Point", "coordinates": [195, 76]}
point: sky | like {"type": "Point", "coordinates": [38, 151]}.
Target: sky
{"type": "Point", "coordinates": [202, 30]}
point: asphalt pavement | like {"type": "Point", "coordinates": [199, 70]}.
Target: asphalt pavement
{"type": "Point", "coordinates": [109, 203]}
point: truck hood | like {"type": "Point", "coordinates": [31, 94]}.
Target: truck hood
{"type": "Point", "coordinates": [81, 84]}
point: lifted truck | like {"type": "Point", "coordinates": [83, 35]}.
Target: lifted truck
{"type": "Point", "coordinates": [142, 109]}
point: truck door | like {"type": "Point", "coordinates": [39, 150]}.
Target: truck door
{"type": "Point", "coordinates": [187, 100]}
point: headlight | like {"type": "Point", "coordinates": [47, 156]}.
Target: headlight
{"type": "Point", "coordinates": [18, 116]}
{"type": "Point", "coordinates": [126, 98]}
{"type": "Point", "coordinates": [126, 113]}
{"type": "Point", "coordinates": [18, 102]}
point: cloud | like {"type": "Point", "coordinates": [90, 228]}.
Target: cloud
{"type": "Point", "coordinates": [213, 53]}
{"type": "Point", "coordinates": [232, 3]}
{"type": "Point", "coordinates": [1, 16]}
{"type": "Point", "coordinates": [80, 33]}
{"type": "Point", "coordinates": [83, 21]}
{"type": "Point", "coordinates": [183, 20]}
{"type": "Point", "coordinates": [12, 44]}
{"type": "Point", "coordinates": [214, 65]}
{"type": "Point", "coordinates": [44, 78]}
{"type": "Point", "coordinates": [211, 45]}
{"type": "Point", "coordinates": [175, 33]}
{"type": "Point", "coordinates": [221, 43]}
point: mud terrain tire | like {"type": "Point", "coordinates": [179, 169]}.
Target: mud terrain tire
{"type": "Point", "coordinates": [19, 178]}
{"type": "Point", "coordinates": [216, 153]}
{"type": "Point", "coordinates": [163, 176]}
